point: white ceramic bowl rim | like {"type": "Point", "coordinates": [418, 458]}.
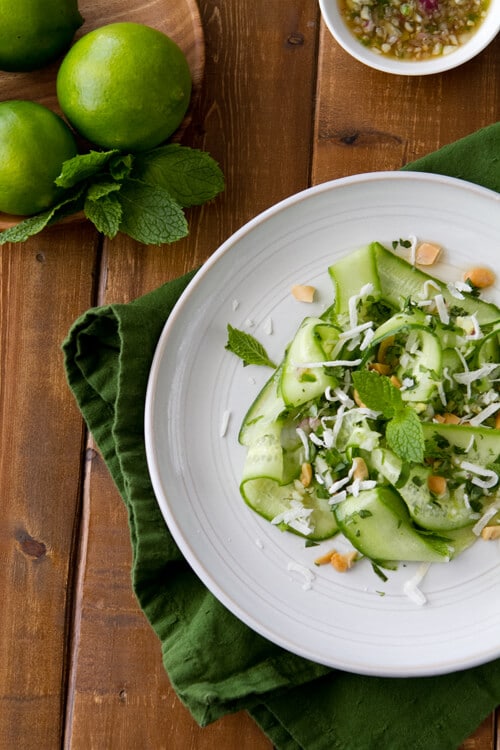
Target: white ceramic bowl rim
{"type": "Point", "coordinates": [485, 34]}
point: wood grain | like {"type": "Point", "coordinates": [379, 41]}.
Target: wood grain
{"type": "Point", "coordinates": [43, 285]}
{"type": "Point", "coordinates": [368, 121]}
{"type": "Point", "coordinates": [235, 128]}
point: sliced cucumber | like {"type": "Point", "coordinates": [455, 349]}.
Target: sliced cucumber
{"type": "Point", "coordinates": [424, 366]}
{"type": "Point", "coordinates": [401, 321]}
{"type": "Point", "coordinates": [350, 274]}
{"type": "Point", "coordinates": [435, 514]}
{"type": "Point", "coordinates": [401, 519]}
{"type": "Point", "coordinates": [265, 455]}
{"type": "Point", "coordinates": [478, 445]}
{"type": "Point", "coordinates": [299, 382]}
{"type": "Point", "coordinates": [377, 523]}
{"type": "Point", "coordinates": [460, 539]}
{"type": "Point", "coordinates": [386, 463]}
{"type": "Point", "coordinates": [265, 410]}
{"type": "Point", "coordinates": [399, 280]}
{"type": "Point", "coordinates": [481, 444]}
{"type": "Point", "coordinates": [489, 349]}
{"type": "Point", "coordinates": [270, 500]}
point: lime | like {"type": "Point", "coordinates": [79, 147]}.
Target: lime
{"type": "Point", "coordinates": [35, 32]}
{"type": "Point", "coordinates": [125, 86]}
{"type": "Point", "coordinates": [34, 142]}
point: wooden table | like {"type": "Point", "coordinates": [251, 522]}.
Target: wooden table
{"type": "Point", "coordinates": [282, 107]}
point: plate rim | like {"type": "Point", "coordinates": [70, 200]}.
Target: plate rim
{"type": "Point", "coordinates": [184, 544]}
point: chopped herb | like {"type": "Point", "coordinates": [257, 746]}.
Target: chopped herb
{"type": "Point", "coordinates": [379, 572]}
{"type": "Point", "coordinates": [364, 513]}
{"type": "Point", "coordinates": [247, 348]}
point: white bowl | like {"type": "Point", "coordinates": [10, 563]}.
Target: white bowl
{"type": "Point", "coordinates": [485, 33]}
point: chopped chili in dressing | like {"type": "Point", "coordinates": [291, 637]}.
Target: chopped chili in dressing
{"type": "Point", "coordinates": [413, 30]}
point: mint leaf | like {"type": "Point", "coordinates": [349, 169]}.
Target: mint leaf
{"type": "Point", "coordinates": [26, 228]}
{"type": "Point", "coordinates": [150, 215]}
{"type": "Point", "coordinates": [405, 436]}
{"type": "Point", "coordinates": [105, 213]}
{"type": "Point", "coordinates": [100, 188]}
{"type": "Point", "coordinates": [120, 166]}
{"type": "Point", "coordinates": [83, 166]}
{"type": "Point", "coordinates": [247, 348]}
{"type": "Point", "coordinates": [377, 392]}
{"type": "Point", "coordinates": [192, 177]}
{"type": "Point", "coordinates": [149, 211]}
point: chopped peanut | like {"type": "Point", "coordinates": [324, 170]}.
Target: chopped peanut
{"type": "Point", "coordinates": [427, 253]}
{"type": "Point", "coordinates": [396, 381]}
{"type": "Point", "coordinates": [380, 367]}
{"type": "Point", "coordinates": [384, 346]}
{"type": "Point", "coordinates": [341, 563]}
{"type": "Point", "coordinates": [491, 532]}
{"type": "Point", "coordinates": [306, 474]}
{"type": "Point", "coordinates": [325, 559]}
{"type": "Point", "coordinates": [360, 469]}
{"type": "Point", "coordinates": [480, 277]}
{"type": "Point", "coordinates": [447, 418]}
{"type": "Point", "coordinates": [436, 484]}
{"type": "Point", "coordinates": [303, 292]}
{"type": "Point", "coordinates": [357, 400]}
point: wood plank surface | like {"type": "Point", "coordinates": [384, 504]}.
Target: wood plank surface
{"type": "Point", "coordinates": [40, 482]}
{"type": "Point", "coordinates": [120, 695]}
{"type": "Point", "coordinates": [281, 107]}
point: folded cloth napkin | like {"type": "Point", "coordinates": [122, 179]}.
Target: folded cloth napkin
{"type": "Point", "coordinates": [216, 663]}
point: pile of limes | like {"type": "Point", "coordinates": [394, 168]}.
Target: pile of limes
{"type": "Point", "coordinates": [125, 86]}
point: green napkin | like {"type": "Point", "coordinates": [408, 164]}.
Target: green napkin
{"type": "Point", "coordinates": [217, 664]}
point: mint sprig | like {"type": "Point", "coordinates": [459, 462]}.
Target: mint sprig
{"type": "Point", "coordinates": [142, 195]}
{"type": "Point", "coordinates": [404, 433]}
{"type": "Point", "coordinates": [247, 348]}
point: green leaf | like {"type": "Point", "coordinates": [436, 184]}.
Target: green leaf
{"type": "Point", "coordinates": [377, 392]}
{"type": "Point", "coordinates": [150, 215]}
{"type": "Point", "coordinates": [247, 348]}
{"type": "Point", "coordinates": [192, 177]}
{"type": "Point", "coordinates": [26, 228]}
{"type": "Point", "coordinates": [83, 166]}
{"type": "Point", "coordinates": [105, 213]}
{"type": "Point", "coordinates": [120, 166]}
{"type": "Point", "coordinates": [405, 436]}
{"type": "Point", "coordinates": [100, 188]}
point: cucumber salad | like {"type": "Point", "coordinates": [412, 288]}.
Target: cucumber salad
{"type": "Point", "coordinates": [382, 421]}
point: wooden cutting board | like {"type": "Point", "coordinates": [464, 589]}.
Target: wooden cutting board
{"type": "Point", "coordinates": [179, 19]}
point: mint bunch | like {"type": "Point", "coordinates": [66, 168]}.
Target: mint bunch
{"type": "Point", "coordinates": [404, 433]}
{"type": "Point", "coordinates": [142, 195]}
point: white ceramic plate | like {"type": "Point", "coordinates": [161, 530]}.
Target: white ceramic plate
{"type": "Point", "coordinates": [351, 621]}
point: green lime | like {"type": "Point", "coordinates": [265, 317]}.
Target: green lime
{"type": "Point", "coordinates": [125, 86]}
{"type": "Point", "coordinates": [34, 143]}
{"type": "Point", "coordinates": [35, 32]}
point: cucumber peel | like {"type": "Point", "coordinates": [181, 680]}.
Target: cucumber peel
{"type": "Point", "coordinates": [319, 460]}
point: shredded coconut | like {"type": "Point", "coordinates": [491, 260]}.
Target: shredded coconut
{"type": "Point", "coordinates": [268, 326]}
{"type": "Point", "coordinates": [411, 588]}
{"type": "Point", "coordinates": [442, 310]}
{"type": "Point", "coordinates": [224, 422]}
{"type": "Point", "coordinates": [331, 363]}
{"type": "Point", "coordinates": [483, 521]}
{"type": "Point", "coordinates": [303, 571]}
{"type": "Point", "coordinates": [484, 414]}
